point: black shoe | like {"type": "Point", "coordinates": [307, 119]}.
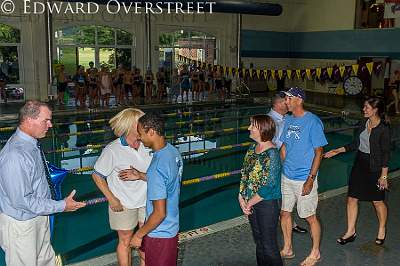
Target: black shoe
{"type": "Point", "coordinates": [299, 229]}
{"type": "Point", "coordinates": [344, 241]}
{"type": "Point", "coordinates": [379, 241]}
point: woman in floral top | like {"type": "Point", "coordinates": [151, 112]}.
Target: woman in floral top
{"type": "Point", "coordinates": [260, 189]}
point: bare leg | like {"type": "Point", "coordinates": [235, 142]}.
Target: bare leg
{"type": "Point", "coordinates": [315, 229]}
{"type": "Point", "coordinates": [286, 224]}
{"type": "Point", "coordinates": [396, 101]}
{"type": "Point", "coordinates": [141, 253]}
{"type": "Point", "coordinates": [381, 212]}
{"type": "Point", "coordinates": [352, 213]}
{"type": "Point", "coordinates": [124, 254]}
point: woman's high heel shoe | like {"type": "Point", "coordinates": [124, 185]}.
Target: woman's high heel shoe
{"type": "Point", "coordinates": [379, 241]}
{"type": "Point", "coordinates": [344, 241]}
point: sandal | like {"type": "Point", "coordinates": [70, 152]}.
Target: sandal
{"type": "Point", "coordinates": [287, 256]}
{"type": "Point", "coordinates": [310, 261]}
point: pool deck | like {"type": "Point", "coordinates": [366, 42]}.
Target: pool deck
{"type": "Point", "coordinates": [230, 242]}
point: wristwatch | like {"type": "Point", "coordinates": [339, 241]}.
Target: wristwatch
{"type": "Point", "coordinates": [384, 177]}
{"type": "Point", "coordinates": [312, 176]}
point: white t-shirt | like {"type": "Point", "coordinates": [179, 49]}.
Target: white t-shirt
{"type": "Point", "coordinates": [116, 157]}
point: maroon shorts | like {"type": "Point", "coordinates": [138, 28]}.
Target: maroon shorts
{"type": "Point", "coordinates": [160, 251]}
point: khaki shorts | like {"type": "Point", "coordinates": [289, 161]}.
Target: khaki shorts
{"type": "Point", "coordinates": [127, 219]}
{"type": "Point", "coordinates": [291, 194]}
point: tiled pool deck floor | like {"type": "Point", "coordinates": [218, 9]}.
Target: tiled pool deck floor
{"type": "Point", "coordinates": [231, 242]}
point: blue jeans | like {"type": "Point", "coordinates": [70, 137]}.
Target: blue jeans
{"type": "Point", "coordinates": [264, 223]}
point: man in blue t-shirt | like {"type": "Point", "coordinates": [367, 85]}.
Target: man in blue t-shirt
{"type": "Point", "coordinates": [301, 152]}
{"type": "Point", "coordinates": [160, 231]}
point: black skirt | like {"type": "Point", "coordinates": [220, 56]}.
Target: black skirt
{"type": "Point", "coordinates": [363, 182]}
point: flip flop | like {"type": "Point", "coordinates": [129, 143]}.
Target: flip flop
{"type": "Point", "coordinates": [287, 256]}
{"type": "Point", "coordinates": [310, 261]}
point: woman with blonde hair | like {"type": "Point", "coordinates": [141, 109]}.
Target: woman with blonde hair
{"type": "Point", "coordinates": [127, 199]}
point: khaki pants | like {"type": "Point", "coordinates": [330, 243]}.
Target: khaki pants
{"type": "Point", "coordinates": [26, 242]}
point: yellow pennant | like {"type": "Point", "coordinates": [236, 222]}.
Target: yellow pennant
{"type": "Point", "coordinates": [289, 73]}
{"type": "Point", "coordinates": [251, 73]}
{"type": "Point", "coordinates": [355, 68]}
{"type": "Point", "coordinates": [258, 73]}
{"type": "Point", "coordinates": [244, 72]}
{"type": "Point", "coordinates": [224, 70]}
{"type": "Point", "coordinates": [298, 73]}
{"type": "Point", "coordinates": [230, 71]}
{"type": "Point", "coordinates": [318, 72]}
{"type": "Point", "coordinates": [330, 71]}
{"type": "Point", "coordinates": [280, 73]}
{"type": "Point", "coordinates": [265, 74]}
{"type": "Point", "coordinates": [341, 70]}
{"type": "Point", "coordinates": [308, 73]}
{"type": "Point", "coordinates": [370, 66]}
{"type": "Point", "coordinates": [273, 73]}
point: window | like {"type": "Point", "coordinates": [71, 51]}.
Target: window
{"type": "Point", "coordinates": [178, 46]}
{"type": "Point", "coordinates": [10, 39]}
{"type": "Point", "coordinates": [101, 44]}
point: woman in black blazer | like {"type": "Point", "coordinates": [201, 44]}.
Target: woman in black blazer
{"type": "Point", "coordinates": [368, 179]}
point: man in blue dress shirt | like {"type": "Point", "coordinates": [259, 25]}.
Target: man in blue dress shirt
{"type": "Point", "coordinates": [25, 192]}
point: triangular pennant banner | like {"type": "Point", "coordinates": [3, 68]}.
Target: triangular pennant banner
{"type": "Point", "coordinates": [355, 68]}
{"type": "Point", "coordinates": [298, 73]}
{"type": "Point", "coordinates": [342, 69]}
{"type": "Point", "coordinates": [289, 73]}
{"type": "Point", "coordinates": [265, 74]}
{"type": "Point", "coordinates": [308, 73]}
{"type": "Point", "coordinates": [224, 70]}
{"type": "Point", "coordinates": [330, 71]}
{"type": "Point", "coordinates": [280, 73]}
{"type": "Point", "coordinates": [244, 72]}
{"type": "Point", "coordinates": [370, 67]}
{"type": "Point", "coordinates": [318, 71]}
{"type": "Point", "coordinates": [273, 73]}
{"type": "Point", "coordinates": [258, 73]}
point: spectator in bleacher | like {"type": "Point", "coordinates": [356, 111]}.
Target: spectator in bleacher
{"type": "Point", "coordinates": [3, 83]}
{"type": "Point", "coordinates": [81, 81]}
{"type": "Point", "coordinates": [149, 78]}
{"type": "Point", "coordinates": [62, 81]}
{"type": "Point", "coordinates": [105, 81]}
{"type": "Point", "coordinates": [161, 80]}
{"type": "Point", "coordinates": [93, 91]}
